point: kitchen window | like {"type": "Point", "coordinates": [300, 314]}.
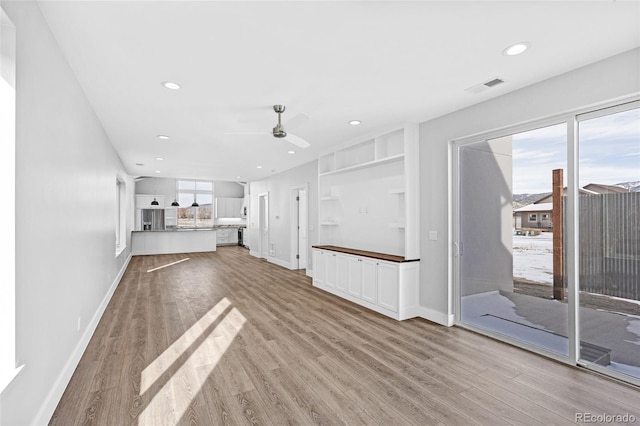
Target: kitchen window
{"type": "Point", "coordinates": [195, 191]}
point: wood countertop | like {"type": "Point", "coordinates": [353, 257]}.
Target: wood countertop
{"type": "Point", "coordinates": [372, 254]}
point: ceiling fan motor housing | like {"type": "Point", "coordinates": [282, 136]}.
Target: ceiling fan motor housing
{"type": "Point", "coordinates": [278, 131]}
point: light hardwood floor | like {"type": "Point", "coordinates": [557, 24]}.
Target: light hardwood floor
{"type": "Point", "coordinates": [225, 338]}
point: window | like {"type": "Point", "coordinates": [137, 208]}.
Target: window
{"type": "Point", "coordinates": [121, 215]}
{"type": "Point", "coordinates": [545, 216]}
{"type": "Point", "coordinates": [533, 217]}
{"type": "Point", "coordinates": [195, 191]}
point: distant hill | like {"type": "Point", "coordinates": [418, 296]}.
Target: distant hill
{"type": "Point", "coordinates": [521, 200]}
{"type": "Point", "coordinates": [631, 186]}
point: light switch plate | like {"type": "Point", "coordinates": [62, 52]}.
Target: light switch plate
{"type": "Point", "coordinates": [433, 235]}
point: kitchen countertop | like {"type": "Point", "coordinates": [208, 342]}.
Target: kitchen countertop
{"type": "Point", "coordinates": [215, 227]}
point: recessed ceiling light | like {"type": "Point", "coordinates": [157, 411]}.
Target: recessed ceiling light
{"type": "Point", "coordinates": [238, 177]}
{"type": "Point", "coordinates": [163, 137]}
{"type": "Point", "coordinates": [259, 167]}
{"type": "Point", "coordinates": [515, 49]}
{"type": "Point", "coordinates": [159, 158]}
{"type": "Point", "coordinates": [157, 171]}
{"type": "Point", "coordinates": [171, 85]}
{"type": "Point", "coordinates": [291, 152]}
{"type": "Point", "coordinates": [139, 164]}
{"type": "Point", "coordinates": [355, 122]}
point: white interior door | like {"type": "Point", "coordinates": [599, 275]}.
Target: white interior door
{"type": "Point", "coordinates": [302, 229]}
{"type": "Point", "coordinates": [264, 226]}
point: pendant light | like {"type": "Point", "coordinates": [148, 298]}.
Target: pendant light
{"type": "Point", "coordinates": [175, 201]}
{"type": "Point", "coordinates": [154, 202]}
{"type": "Point", "coordinates": [195, 203]}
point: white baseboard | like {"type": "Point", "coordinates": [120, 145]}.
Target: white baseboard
{"type": "Point", "coordinates": [55, 394]}
{"type": "Point", "coordinates": [279, 262]}
{"type": "Point", "coordinates": [309, 272]}
{"type": "Point", "coordinates": [435, 316]}
{"type": "Point", "coordinates": [254, 253]}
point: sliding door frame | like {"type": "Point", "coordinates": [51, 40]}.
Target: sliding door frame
{"type": "Point", "coordinates": [571, 119]}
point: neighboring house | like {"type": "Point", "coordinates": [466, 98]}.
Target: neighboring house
{"type": "Point", "coordinates": [538, 214]}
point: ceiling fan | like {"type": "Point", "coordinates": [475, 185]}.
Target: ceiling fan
{"type": "Point", "coordinates": [279, 131]}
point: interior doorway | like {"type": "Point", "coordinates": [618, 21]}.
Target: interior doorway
{"type": "Point", "coordinates": [264, 225]}
{"type": "Point", "coordinates": [299, 228]}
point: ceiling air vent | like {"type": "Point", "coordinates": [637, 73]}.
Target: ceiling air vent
{"type": "Point", "coordinates": [484, 86]}
{"type": "Point", "coordinates": [494, 82]}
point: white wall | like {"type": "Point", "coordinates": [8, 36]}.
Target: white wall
{"type": "Point", "coordinates": [227, 189]}
{"type": "Point", "coordinates": [65, 223]}
{"type": "Point", "coordinates": [610, 79]}
{"type": "Point", "coordinates": [279, 188]}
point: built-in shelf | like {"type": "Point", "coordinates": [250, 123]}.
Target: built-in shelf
{"type": "Point", "coordinates": [374, 184]}
{"type": "Point", "coordinates": [373, 163]}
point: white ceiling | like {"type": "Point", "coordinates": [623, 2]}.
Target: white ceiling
{"type": "Point", "coordinates": [380, 62]}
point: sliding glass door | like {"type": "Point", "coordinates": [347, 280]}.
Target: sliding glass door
{"type": "Point", "coordinates": [547, 238]}
{"type": "Point", "coordinates": [609, 239]}
{"type": "Point", "coordinates": [507, 236]}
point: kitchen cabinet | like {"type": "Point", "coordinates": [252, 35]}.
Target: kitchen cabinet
{"type": "Point", "coordinates": [173, 241]}
{"type": "Point", "coordinates": [387, 287]}
{"type": "Point", "coordinates": [228, 207]}
{"type": "Point", "coordinates": [227, 236]}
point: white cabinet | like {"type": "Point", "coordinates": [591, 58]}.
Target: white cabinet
{"type": "Point", "coordinates": [319, 268]}
{"type": "Point", "coordinates": [228, 207]}
{"type": "Point", "coordinates": [388, 294]}
{"type": "Point", "coordinates": [390, 288]}
{"type": "Point", "coordinates": [342, 272]}
{"type": "Point", "coordinates": [227, 236]}
{"type": "Point", "coordinates": [369, 281]}
{"type": "Point", "coordinates": [331, 262]}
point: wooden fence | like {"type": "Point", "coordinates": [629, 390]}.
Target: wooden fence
{"type": "Point", "coordinates": [610, 244]}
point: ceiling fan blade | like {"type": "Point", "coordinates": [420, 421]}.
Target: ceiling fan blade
{"type": "Point", "coordinates": [247, 133]}
{"type": "Point", "coordinates": [296, 121]}
{"type": "Point", "coordinates": [297, 140]}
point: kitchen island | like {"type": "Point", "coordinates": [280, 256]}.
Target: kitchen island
{"type": "Point", "coordinates": [178, 240]}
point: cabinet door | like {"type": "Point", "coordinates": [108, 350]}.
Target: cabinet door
{"type": "Point", "coordinates": [369, 281]}
{"type": "Point", "coordinates": [332, 267]}
{"type": "Point", "coordinates": [237, 205]}
{"type": "Point", "coordinates": [222, 236]}
{"type": "Point", "coordinates": [221, 207]}
{"type": "Point", "coordinates": [388, 286]}
{"type": "Point", "coordinates": [355, 276]}
{"type": "Point", "coordinates": [319, 268]}
{"type": "Point", "coordinates": [342, 272]}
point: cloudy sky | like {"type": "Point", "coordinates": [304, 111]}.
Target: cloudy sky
{"type": "Point", "coordinates": [609, 151]}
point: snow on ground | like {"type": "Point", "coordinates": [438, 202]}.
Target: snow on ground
{"type": "Point", "coordinates": [533, 257]}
